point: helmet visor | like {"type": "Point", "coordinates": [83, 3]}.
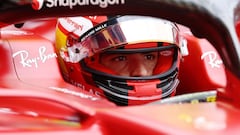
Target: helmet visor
{"type": "Point", "coordinates": [124, 31]}
{"type": "Point", "coordinates": [135, 62]}
{"type": "Point", "coordinates": [138, 62]}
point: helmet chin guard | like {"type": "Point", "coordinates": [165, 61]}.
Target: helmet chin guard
{"type": "Point", "coordinates": [124, 92]}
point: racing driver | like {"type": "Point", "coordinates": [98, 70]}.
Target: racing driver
{"type": "Point", "coordinates": [130, 60]}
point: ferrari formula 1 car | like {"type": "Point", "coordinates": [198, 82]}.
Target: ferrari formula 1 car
{"type": "Point", "coordinates": [35, 99]}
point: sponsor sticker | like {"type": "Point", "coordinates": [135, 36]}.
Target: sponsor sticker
{"type": "Point", "coordinates": [38, 4]}
{"type": "Point", "coordinates": [213, 60]}
{"type": "Point", "coordinates": [42, 57]}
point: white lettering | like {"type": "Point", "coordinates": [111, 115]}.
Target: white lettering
{"type": "Point", "coordinates": [101, 27]}
{"type": "Point", "coordinates": [72, 3]}
{"type": "Point", "coordinates": [50, 3]}
{"type": "Point", "coordinates": [75, 93]}
{"type": "Point", "coordinates": [29, 62]}
{"type": "Point", "coordinates": [211, 56]}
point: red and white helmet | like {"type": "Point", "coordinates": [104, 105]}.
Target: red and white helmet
{"type": "Point", "coordinates": [81, 40]}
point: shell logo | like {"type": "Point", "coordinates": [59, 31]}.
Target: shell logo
{"type": "Point", "coordinates": [37, 4]}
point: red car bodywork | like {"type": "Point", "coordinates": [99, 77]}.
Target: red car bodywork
{"type": "Point", "coordinates": [34, 98]}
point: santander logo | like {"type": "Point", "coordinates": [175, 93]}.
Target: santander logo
{"type": "Point", "coordinates": [37, 4]}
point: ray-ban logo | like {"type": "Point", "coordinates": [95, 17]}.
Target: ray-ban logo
{"type": "Point", "coordinates": [212, 59]}
{"type": "Point", "coordinates": [28, 61]}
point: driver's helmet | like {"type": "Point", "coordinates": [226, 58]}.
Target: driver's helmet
{"type": "Point", "coordinates": [81, 42]}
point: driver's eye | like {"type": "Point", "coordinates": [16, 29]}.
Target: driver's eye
{"type": "Point", "coordinates": [150, 56]}
{"type": "Point", "coordinates": [120, 58]}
